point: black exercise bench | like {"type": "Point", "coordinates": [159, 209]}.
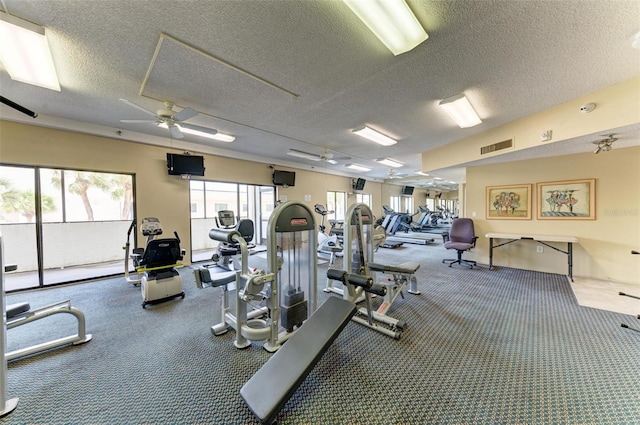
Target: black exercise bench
{"type": "Point", "coordinates": [275, 382]}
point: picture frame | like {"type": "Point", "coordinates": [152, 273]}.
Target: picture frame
{"type": "Point", "coordinates": [567, 200]}
{"type": "Point", "coordinates": [509, 202]}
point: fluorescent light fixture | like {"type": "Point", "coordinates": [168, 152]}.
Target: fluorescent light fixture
{"type": "Point", "coordinates": [304, 155]}
{"type": "Point", "coordinates": [461, 111]}
{"type": "Point", "coordinates": [390, 162]}
{"type": "Point", "coordinates": [221, 137]}
{"type": "Point", "coordinates": [25, 53]}
{"type": "Point", "coordinates": [391, 21]}
{"type": "Point", "coordinates": [420, 173]}
{"type": "Point", "coordinates": [358, 167]}
{"type": "Point", "coordinates": [371, 134]}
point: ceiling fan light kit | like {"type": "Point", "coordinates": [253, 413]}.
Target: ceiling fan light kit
{"type": "Point", "coordinates": [460, 110]}
{"type": "Point", "coordinates": [391, 21]}
{"type": "Point", "coordinates": [25, 53]}
{"type": "Point", "coordinates": [374, 136]}
{"type": "Point", "coordinates": [174, 121]}
{"type": "Point", "coordinates": [326, 156]}
{"type": "Point", "coordinates": [604, 145]}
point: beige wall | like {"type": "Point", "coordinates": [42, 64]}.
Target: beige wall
{"type": "Point", "coordinates": [617, 106]}
{"type": "Point", "coordinates": [603, 251]}
{"type": "Point", "coordinates": [605, 243]}
{"type": "Point", "coordinates": [157, 193]}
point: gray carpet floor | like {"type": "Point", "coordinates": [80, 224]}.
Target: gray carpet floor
{"type": "Point", "coordinates": [482, 346]}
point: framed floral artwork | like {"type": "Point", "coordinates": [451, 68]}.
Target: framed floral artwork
{"type": "Point", "coordinates": [567, 200]}
{"type": "Point", "coordinates": [509, 202]}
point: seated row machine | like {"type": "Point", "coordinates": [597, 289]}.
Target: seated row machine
{"type": "Point", "coordinates": [359, 236]}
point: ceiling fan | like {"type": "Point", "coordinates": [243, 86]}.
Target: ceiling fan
{"type": "Point", "coordinates": [173, 120]}
{"type": "Point", "coordinates": [393, 175]}
{"type": "Point", "coordinates": [326, 156]}
{"type": "Point", "coordinates": [604, 145]}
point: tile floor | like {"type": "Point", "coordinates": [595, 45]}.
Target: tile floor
{"type": "Point", "coordinates": [604, 295]}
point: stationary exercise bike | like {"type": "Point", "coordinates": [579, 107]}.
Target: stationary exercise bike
{"type": "Point", "coordinates": [327, 245]}
{"type": "Point", "coordinates": [155, 264]}
{"type": "Point", "coordinates": [150, 228]}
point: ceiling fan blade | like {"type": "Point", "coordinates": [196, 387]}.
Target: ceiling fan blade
{"type": "Point", "coordinates": [175, 132]}
{"type": "Point", "coordinates": [185, 114]}
{"type": "Point", "coordinates": [199, 128]}
{"type": "Point", "coordinates": [139, 121]}
{"type": "Point", "coordinates": [138, 107]}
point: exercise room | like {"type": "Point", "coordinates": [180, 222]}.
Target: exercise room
{"type": "Point", "coordinates": [241, 212]}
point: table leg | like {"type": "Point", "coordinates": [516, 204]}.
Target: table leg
{"type": "Point", "coordinates": [570, 259]}
{"type": "Point", "coordinates": [490, 253]}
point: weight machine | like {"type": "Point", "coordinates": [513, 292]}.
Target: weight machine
{"type": "Point", "coordinates": [359, 236]}
{"type": "Point", "coordinates": [269, 304]}
{"type": "Point", "coordinates": [18, 314]}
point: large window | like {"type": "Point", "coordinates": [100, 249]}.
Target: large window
{"type": "Point", "coordinates": [336, 202]}
{"type": "Point", "coordinates": [63, 225]}
{"type": "Point", "coordinates": [431, 204]}
{"type": "Point", "coordinates": [394, 203]}
{"type": "Point", "coordinates": [363, 198]}
{"type": "Point", "coordinates": [207, 198]}
{"type": "Point", "coordinates": [407, 204]}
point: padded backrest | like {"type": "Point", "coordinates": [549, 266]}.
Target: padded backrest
{"type": "Point", "coordinates": [246, 229]}
{"type": "Point", "coordinates": [462, 230]}
{"type": "Point", "coordinates": [161, 252]}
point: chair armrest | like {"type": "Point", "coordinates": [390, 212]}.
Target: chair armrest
{"type": "Point", "coordinates": [475, 238]}
{"type": "Point", "coordinates": [445, 237]}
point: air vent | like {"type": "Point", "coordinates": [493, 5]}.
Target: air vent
{"type": "Point", "coordinates": [496, 147]}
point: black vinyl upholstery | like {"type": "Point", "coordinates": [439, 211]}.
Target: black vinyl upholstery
{"type": "Point", "coordinates": [161, 252]}
{"type": "Point", "coordinates": [275, 382]}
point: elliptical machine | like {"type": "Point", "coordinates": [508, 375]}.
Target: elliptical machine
{"type": "Point", "coordinates": [327, 245]}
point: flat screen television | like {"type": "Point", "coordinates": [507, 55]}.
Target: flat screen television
{"type": "Point", "coordinates": [284, 178]}
{"type": "Point", "coordinates": [358, 184]}
{"type": "Point", "coordinates": [179, 164]}
{"type": "Point", "coordinates": [407, 190]}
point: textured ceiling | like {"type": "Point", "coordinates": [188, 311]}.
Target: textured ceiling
{"type": "Point", "coordinates": [302, 74]}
